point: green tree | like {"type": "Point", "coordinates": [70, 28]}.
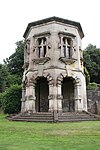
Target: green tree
{"type": "Point", "coordinates": [4, 81]}
{"type": "Point", "coordinates": [92, 62]}
{"type": "Point", "coordinates": [11, 99]}
{"type": "Point", "coordinates": [15, 62]}
{"type": "Point", "coordinates": [10, 75]}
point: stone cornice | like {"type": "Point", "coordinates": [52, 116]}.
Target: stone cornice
{"type": "Point", "coordinates": [51, 19]}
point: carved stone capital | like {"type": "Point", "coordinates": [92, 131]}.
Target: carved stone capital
{"type": "Point", "coordinates": [59, 96]}
{"type": "Point", "coordinates": [32, 82]}
{"type": "Point", "coordinates": [77, 81]}
{"type": "Point", "coordinates": [49, 77]}
{"type": "Point", "coordinates": [51, 82]}
{"type": "Point", "coordinates": [30, 97]}
{"type": "Point", "coordinates": [60, 79]}
{"type": "Point", "coordinates": [51, 96]}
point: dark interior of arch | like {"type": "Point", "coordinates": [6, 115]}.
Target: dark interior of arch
{"type": "Point", "coordinates": [42, 91]}
{"type": "Point", "coordinates": [68, 102]}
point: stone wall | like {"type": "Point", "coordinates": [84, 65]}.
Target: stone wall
{"type": "Point", "coordinates": [93, 101]}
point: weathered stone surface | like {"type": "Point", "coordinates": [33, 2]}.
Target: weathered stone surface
{"type": "Point", "coordinates": [53, 77]}
{"type": "Point", "coordinates": [93, 99]}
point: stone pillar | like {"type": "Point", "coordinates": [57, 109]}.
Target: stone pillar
{"type": "Point", "coordinates": [30, 94]}
{"type": "Point", "coordinates": [77, 92]}
{"type": "Point", "coordinates": [53, 101]}
{"type": "Point", "coordinates": [23, 100]}
{"type": "Point", "coordinates": [27, 51]}
{"type": "Point", "coordinates": [31, 52]}
{"type": "Point", "coordinates": [78, 57]}
{"type": "Point", "coordinates": [59, 96]}
{"type": "Point", "coordinates": [55, 90]}
{"type": "Point", "coordinates": [51, 97]}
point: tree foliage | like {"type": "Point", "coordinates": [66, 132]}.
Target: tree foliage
{"type": "Point", "coordinates": [4, 81]}
{"type": "Point", "coordinates": [11, 99]}
{"type": "Point", "coordinates": [15, 62]}
{"type": "Point", "coordinates": [10, 75]}
{"type": "Point", "coordinates": [92, 62]}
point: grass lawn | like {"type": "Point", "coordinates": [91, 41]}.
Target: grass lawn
{"type": "Point", "coordinates": [49, 136]}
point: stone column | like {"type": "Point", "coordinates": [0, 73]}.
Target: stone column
{"type": "Point", "coordinates": [31, 53]}
{"type": "Point", "coordinates": [23, 100]}
{"type": "Point", "coordinates": [30, 95]}
{"type": "Point", "coordinates": [59, 96]}
{"type": "Point", "coordinates": [78, 55]}
{"type": "Point", "coordinates": [55, 90]}
{"type": "Point", "coordinates": [51, 97]}
{"type": "Point", "coordinates": [77, 92]}
{"type": "Point", "coordinates": [55, 101]}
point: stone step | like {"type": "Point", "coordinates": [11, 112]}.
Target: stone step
{"type": "Point", "coordinates": [36, 117]}
{"type": "Point", "coordinates": [49, 117]}
{"type": "Point", "coordinates": [64, 117]}
{"type": "Point", "coordinates": [32, 120]}
{"type": "Point", "coordinates": [80, 118]}
{"type": "Point", "coordinates": [76, 120]}
{"type": "Point", "coordinates": [74, 116]}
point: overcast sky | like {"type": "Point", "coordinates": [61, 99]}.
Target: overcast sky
{"type": "Point", "coordinates": [16, 14]}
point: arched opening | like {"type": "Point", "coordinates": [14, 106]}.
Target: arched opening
{"type": "Point", "coordinates": [42, 91]}
{"type": "Point", "coordinates": [68, 102]}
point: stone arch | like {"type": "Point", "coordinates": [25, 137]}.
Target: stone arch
{"type": "Point", "coordinates": [31, 78]}
{"type": "Point", "coordinates": [47, 82]}
{"type": "Point", "coordinates": [48, 76]}
{"type": "Point", "coordinates": [35, 76]}
{"type": "Point", "coordinates": [33, 81]}
{"type": "Point", "coordinates": [64, 75]}
{"type": "Point", "coordinates": [67, 84]}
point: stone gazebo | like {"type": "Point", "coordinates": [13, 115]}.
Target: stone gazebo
{"type": "Point", "coordinates": [53, 78]}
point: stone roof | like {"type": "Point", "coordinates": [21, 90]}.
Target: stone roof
{"type": "Point", "coordinates": [57, 19]}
